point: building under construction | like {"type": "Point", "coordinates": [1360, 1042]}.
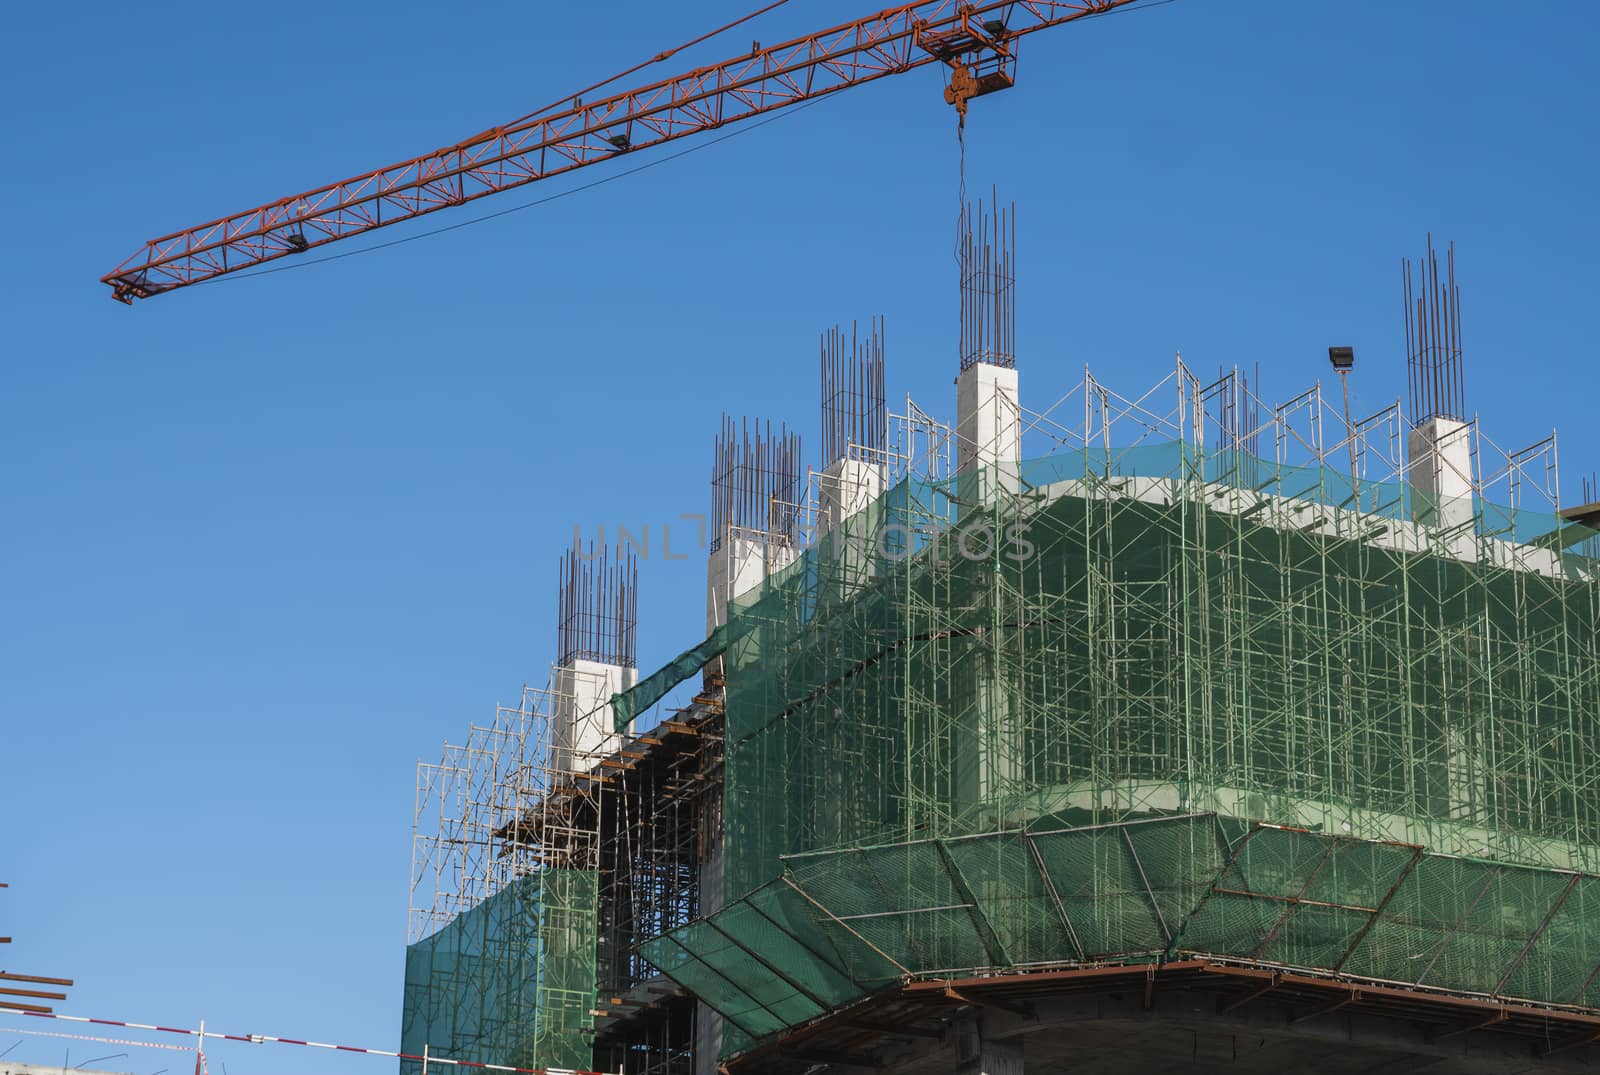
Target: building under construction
{"type": "Point", "coordinates": [1179, 725]}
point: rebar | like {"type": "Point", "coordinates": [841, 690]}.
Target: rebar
{"type": "Point", "coordinates": [755, 480]}
{"type": "Point", "coordinates": [597, 607]}
{"type": "Point", "coordinates": [854, 414]}
{"type": "Point", "coordinates": [988, 279]}
{"type": "Point", "coordinates": [1433, 338]}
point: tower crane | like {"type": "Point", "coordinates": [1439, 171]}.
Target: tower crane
{"type": "Point", "coordinates": [976, 41]}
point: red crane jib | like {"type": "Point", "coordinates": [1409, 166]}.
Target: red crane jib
{"type": "Point", "coordinates": [976, 40]}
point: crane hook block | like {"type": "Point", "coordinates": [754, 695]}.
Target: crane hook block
{"type": "Point", "coordinates": [962, 87]}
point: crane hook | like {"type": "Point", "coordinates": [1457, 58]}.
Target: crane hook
{"type": "Point", "coordinates": [963, 87]}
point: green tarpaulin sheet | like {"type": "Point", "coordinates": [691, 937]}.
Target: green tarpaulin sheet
{"type": "Point", "coordinates": [654, 687]}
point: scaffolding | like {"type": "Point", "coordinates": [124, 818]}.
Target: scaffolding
{"type": "Point", "coordinates": [1063, 718]}
{"type": "Point", "coordinates": [1193, 601]}
{"type": "Point", "coordinates": [536, 877]}
{"type": "Point", "coordinates": [1167, 890]}
{"type": "Point", "coordinates": [659, 825]}
{"type": "Point", "coordinates": [500, 967]}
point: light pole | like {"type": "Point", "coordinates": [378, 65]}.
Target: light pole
{"type": "Point", "coordinates": [1343, 360]}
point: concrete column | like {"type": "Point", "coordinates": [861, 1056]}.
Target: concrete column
{"type": "Point", "coordinates": [1440, 452]}
{"type": "Point", "coordinates": [980, 1053]}
{"type": "Point", "coordinates": [707, 1040]}
{"type": "Point", "coordinates": [988, 433]}
{"type": "Point", "coordinates": [738, 565]}
{"type": "Point", "coordinates": [846, 552]}
{"type": "Point", "coordinates": [848, 487]}
{"type": "Point", "coordinates": [988, 470]}
{"type": "Point", "coordinates": [707, 1023]}
{"type": "Point", "coordinates": [582, 729]}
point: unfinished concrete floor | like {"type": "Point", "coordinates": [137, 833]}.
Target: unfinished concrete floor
{"type": "Point", "coordinates": [1193, 1030]}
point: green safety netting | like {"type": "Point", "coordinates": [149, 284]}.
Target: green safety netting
{"type": "Point", "coordinates": [766, 962]}
{"type": "Point", "coordinates": [1395, 913]}
{"type": "Point", "coordinates": [509, 981]}
{"type": "Point", "coordinates": [1103, 635]}
{"type": "Point", "coordinates": [1014, 719]}
{"type": "Point", "coordinates": [1106, 637]}
{"type": "Point", "coordinates": [648, 691]}
{"type": "Point", "coordinates": [843, 924]}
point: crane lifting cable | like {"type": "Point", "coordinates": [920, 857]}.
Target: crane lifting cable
{"type": "Point", "coordinates": [976, 41]}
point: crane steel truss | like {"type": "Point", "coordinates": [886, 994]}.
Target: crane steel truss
{"type": "Point", "coordinates": [977, 39]}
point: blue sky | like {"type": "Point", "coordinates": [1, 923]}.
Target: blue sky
{"type": "Point", "coordinates": [266, 543]}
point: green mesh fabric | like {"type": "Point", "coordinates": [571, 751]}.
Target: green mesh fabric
{"type": "Point", "coordinates": [510, 981]}
{"type": "Point", "coordinates": [844, 924]}
{"type": "Point", "coordinates": [767, 962]}
{"type": "Point", "coordinates": [1033, 718]}
{"type": "Point", "coordinates": [648, 691]}
{"type": "Point", "coordinates": [1156, 631]}
{"type": "Point", "coordinates": [1398, 914]}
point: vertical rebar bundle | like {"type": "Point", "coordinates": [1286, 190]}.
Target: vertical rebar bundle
{"type": "Point", "coordinates": [597, 607]}
{"type": "Point", "coordinates": [755, 480]}
{"type": "Point", "coordinates": [988, 278]}
{"type": "Point", "coordinates": [1238, 410]}
{"type": "Point", "coordinates": [853, 411]}
{"type": "Point", "coordinates": [1251, 440]}
{"type": "Point", "coordinates": [1433, 339]}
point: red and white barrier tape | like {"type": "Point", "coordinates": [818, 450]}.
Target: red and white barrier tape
{"type": "Point", "coordinates": [257, 1039]}
{"type": "Point", "coordinates": [4, 1030]}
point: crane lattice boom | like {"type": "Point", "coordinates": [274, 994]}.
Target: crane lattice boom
{"type": "Point", "coordinates": [977, 41]}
